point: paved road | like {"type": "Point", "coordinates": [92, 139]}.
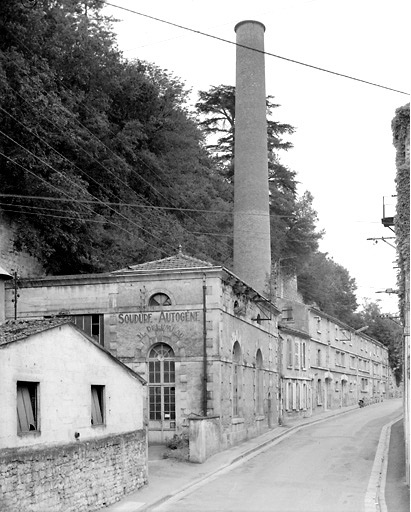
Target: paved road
{"type": "Point", "coordinates": [324, 467]}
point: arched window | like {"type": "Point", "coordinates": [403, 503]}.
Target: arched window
{"type": "Point", "coordinates": [237, 379]}
{"type": "Point", "coordinates": [159, 299]}
{"type": "Point", "coordinates": [161, 384]}
{"type": "Point", "coordinates": [259, 383]}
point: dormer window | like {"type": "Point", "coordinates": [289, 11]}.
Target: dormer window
{"type": "Point", "coordinates": [159, 299]}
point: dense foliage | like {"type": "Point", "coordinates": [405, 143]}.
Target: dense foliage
{"type": "Point", "coordinates": [401, 140]}
{"type": "Point", "coordinates": [80, 124]}
{"type": "Point", "coordinates": [328, 285]}
{"type": "Point", "coordinates": [385, 329]}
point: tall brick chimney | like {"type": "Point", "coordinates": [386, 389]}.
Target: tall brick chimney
{"type": "Point", "coordinates": [252, 249]}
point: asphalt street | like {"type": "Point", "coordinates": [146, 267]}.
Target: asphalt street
{"type": "Point", "coordinates": [321, 468]}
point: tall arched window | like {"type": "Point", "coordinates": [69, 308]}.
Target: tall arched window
{"type": "Point", "coordinates": [237, 379]}
{"type": "Point", "coordinates": [259, 383]}
{"type": "Point", "coordinates": [161, 384]}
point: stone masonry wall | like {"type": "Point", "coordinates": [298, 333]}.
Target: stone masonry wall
{"type": "Point", "coordinates": [77, 477]}
{"type": "Point", "coordinates": [25, 264]}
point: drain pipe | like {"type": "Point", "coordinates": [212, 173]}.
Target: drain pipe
{"type": "Point", "coordinates": [204, 347]}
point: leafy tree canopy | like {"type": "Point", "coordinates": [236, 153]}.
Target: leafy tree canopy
{"type": "Point", "coordinates": [328, 285]}
{"type": "Point", "coordinates": [82, 125]}
{"type": "Point", "coordinates": [384, 329]}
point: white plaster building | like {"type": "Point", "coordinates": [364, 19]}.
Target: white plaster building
{"type": "Point", "coordinates": [70, 412]}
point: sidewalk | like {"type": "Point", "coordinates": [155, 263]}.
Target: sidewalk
{"type": "Point", "coordinates": [397, 492]}
{"type": "Point", "coordinates": [168, 477]}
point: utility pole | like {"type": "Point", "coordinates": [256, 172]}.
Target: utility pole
{"type": "Point", "coordinates": [15, 294]}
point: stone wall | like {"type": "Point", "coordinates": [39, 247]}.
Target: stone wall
{"type": "Point", "coordinates": [11, 259]}
{"type": "Point", "coordinates": [78, 477]}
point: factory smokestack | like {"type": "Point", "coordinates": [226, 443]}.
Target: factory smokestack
{"type": "Point", "coordinates": [252, 248]}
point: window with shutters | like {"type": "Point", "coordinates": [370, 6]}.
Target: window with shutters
{"type": "Point", "coordinates": [27, 407]}
{"type": "Point", "coordinates": [97, 405]}
{"type": "Point", "coordinates": [297, 355]}
{"type": "Point", "coordinates": [289, 353]}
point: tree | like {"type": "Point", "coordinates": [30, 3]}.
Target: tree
{"type": "Point", "coordinates": [386, 330]}
{"type": "Point", "coordinates": [328, 285]}
{"type": "Point", "coordinates": [216, 108]}
{"type": "Point", "coordinates": [293, 231]}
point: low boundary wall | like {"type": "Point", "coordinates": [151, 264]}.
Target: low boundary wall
{"type": "Point", "coordinates": [76, 477]}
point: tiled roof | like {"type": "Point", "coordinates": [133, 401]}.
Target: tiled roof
{"type": "Point", "coordinates": [14, 330]}
{"type": "Point", "coordinates": [177, 261]}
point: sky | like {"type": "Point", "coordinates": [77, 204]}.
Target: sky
{"type": "Point", "coordinates": [343, 152]}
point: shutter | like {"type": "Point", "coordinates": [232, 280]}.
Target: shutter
{"type": "Point", "coordinates": [96, 413]}
{"type": "Point", "coordinates": [25, 413]}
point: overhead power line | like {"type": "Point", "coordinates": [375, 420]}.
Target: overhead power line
{"type": "Point", "coordinates": [255, 49]}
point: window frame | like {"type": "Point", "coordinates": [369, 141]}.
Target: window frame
{"type": "Point", "coordinates": [152, 301]}
{"type": "Point", "coordinates": [98, 405]}
{"type": "Point", "coordinates": [27, 407]}
{"type": "Point", "coordinates": [88, 323]}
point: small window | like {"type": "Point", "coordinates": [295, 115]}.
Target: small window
{"type": "Point", "coordinates": [287, 314]}
{"type": "Point", "coordinates": [93, 325]}
{"type": "Point", "coordinates": [27, 407]}
{"type": "Point", "coordinates": [97, 405]}
{"type": "Point", "coordinates": [159, 299]}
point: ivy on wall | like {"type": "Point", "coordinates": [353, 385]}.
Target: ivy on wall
{"type": "Point", "coordinates": [401, 140]}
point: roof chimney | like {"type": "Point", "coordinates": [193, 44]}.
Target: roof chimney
{"type": "Point", "coordinates": [252, 246]}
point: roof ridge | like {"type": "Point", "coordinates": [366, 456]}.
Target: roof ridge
{"type": "Point", "coordinates": [161, 264]}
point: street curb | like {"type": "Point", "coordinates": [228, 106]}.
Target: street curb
{"type": "Point", "coordinates": [374, 500]}
{"type": "Point", "coordinates": [249, 454]}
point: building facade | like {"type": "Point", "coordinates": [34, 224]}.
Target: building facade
{"type": "Point", "coordinates": [327, 364]}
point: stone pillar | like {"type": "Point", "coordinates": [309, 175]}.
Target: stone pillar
{"type": "Point", "coordinates": [252, 249]}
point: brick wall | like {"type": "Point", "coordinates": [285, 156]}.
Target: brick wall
{"type": "Point", "coordinates": [77, 477]}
